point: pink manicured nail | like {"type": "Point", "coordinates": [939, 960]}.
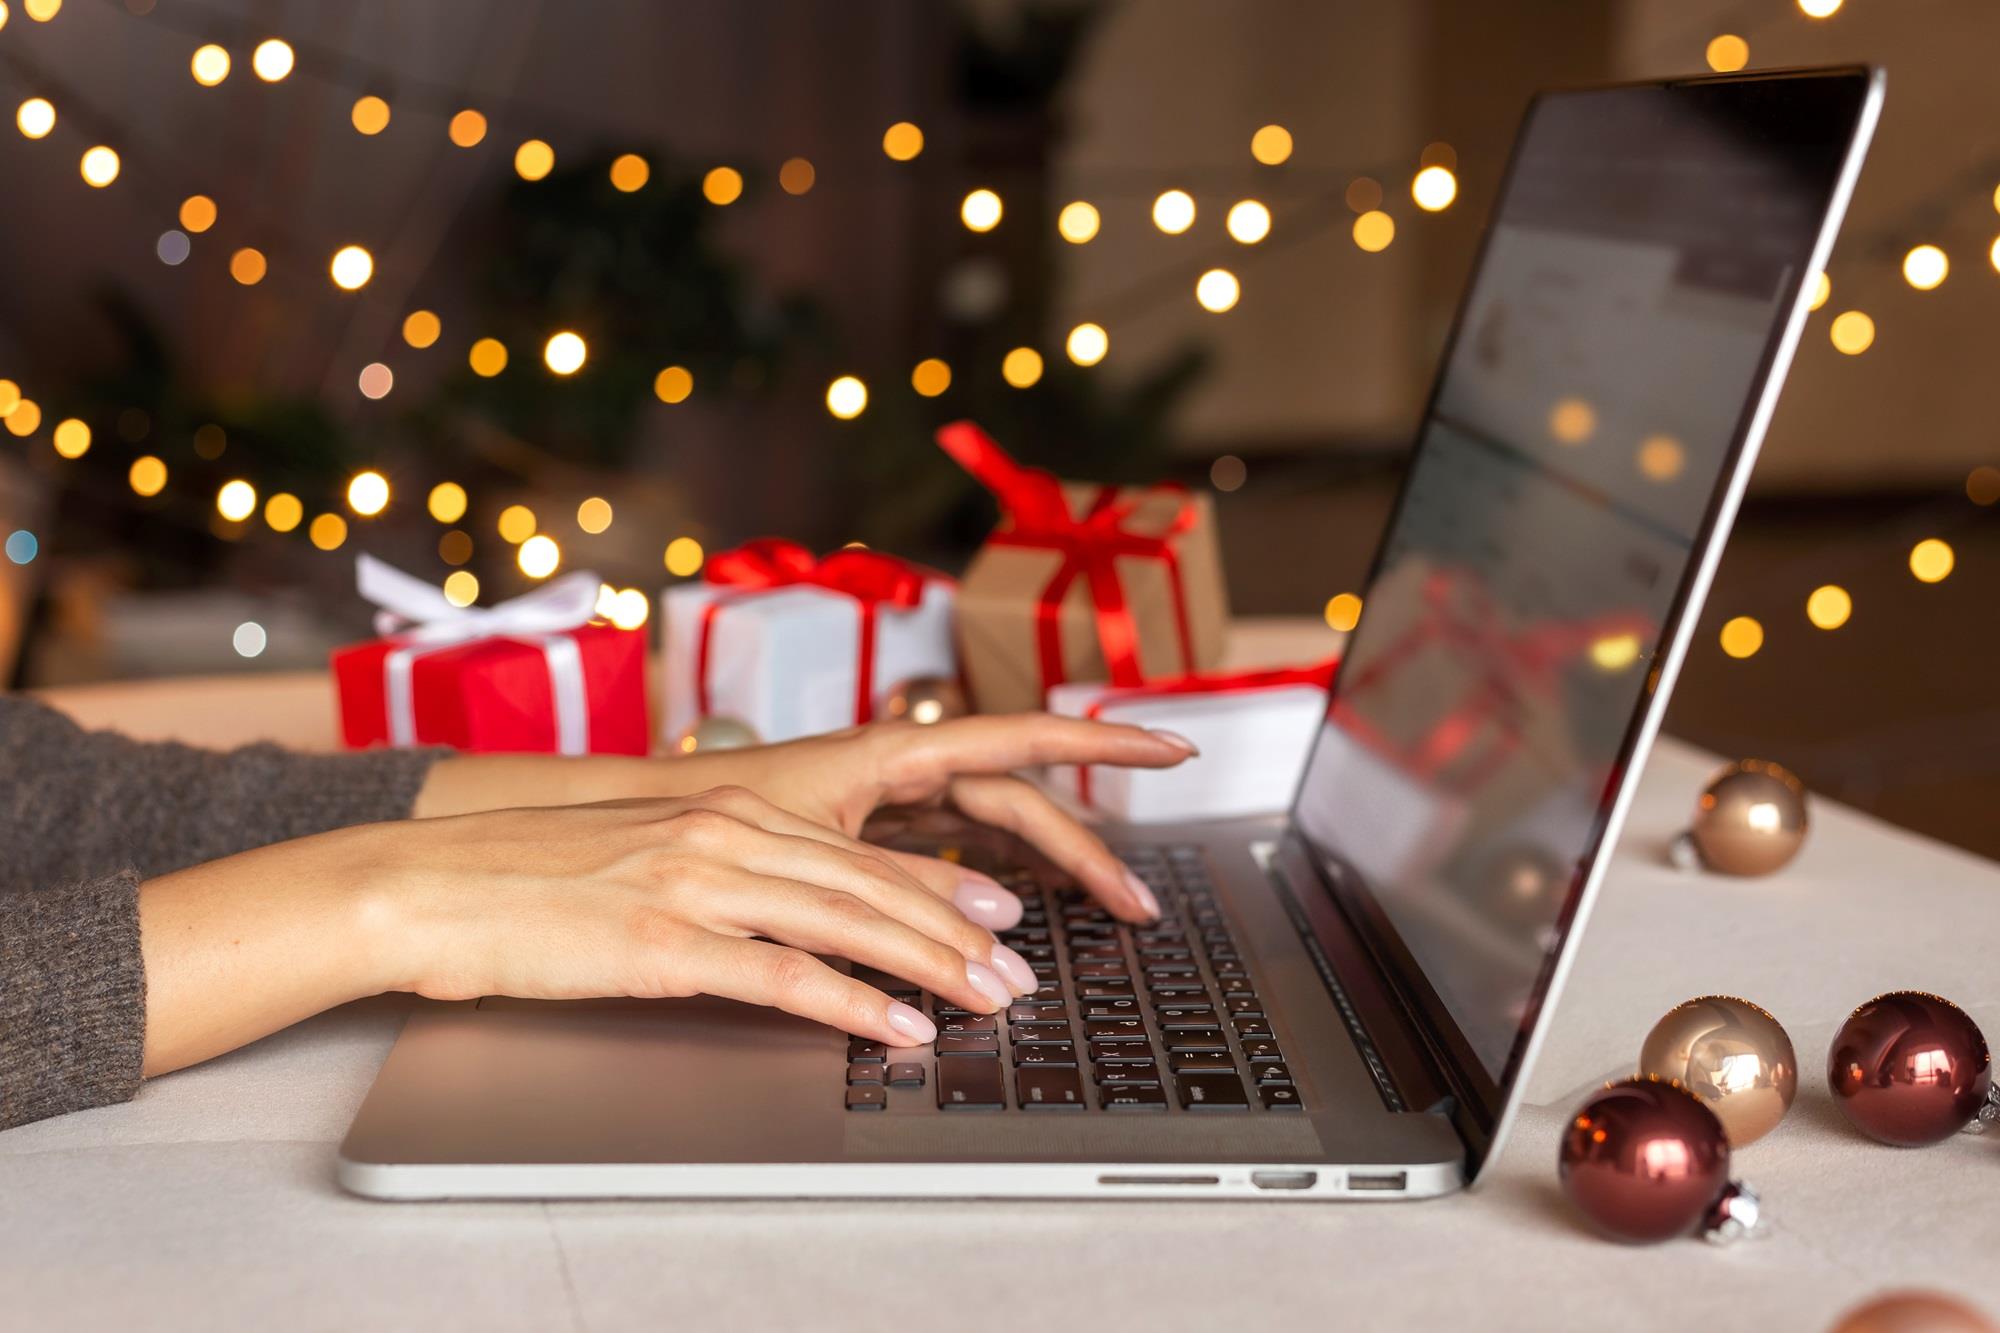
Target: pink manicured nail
{"type": "Point", "coordinates": [1175, 738]}
{"type": "Point", "coordinates": [1143, 894]}
{"type": "Point", "coordinates": [1015, 969]}
{"type": "Point", "coordinates": [984, 901]}
{"type": "Point", "coordinates": [907, 1021]}
{"type": "Point", "coordinates": [987, 982]}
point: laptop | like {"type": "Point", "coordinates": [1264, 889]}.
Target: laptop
{"type": "Point", "coordinates": [1343, 1002]}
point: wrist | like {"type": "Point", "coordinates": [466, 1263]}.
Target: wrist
{"type": "Point", "coordinates": [382, 910]}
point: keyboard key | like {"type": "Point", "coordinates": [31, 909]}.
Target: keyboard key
{"type": "Point", "coordinates": [1253, 1027]}
{"type": "Point", "coordinates": [1049, 1090]}
{"type": "Point", "coordinates": [869, 1052]}
{"type": "Point", "coordinates": [1280, 1097]}
{"type": "Point", "coordinates": [1105, 990]}
{"type": "Point", "coordinates": [1100, 971]}
{"type": "Point", "coordinates": [1121, 1048]}
{"type": "Point", "coordinates": [1194, 1041]}
{"type": "Point", "coordinates": [1024, 1033]}
{"type": "Point", "coordinates": [1271, 1073]}
{"type": "Point", "coordinates": [1035, 1011]}
{"type": "Point", "coordinates": [1098, 953]}
{"type": "Point", "coordinates": [1167, 987]}
{"type": "Point", "coordinates": [872, 1097]}
{"type": "Point", "coordinates": [970, 1085]}
{"type": "Point", "coordinates": [1211, 1092]}
{"type": "Point", "coordinates": [1050, 991]}
{"type": "Point", "coordinates": [1111, 1008]}
{"type": "Point", "coordinates": [969, 1043]}
{"type": "Point", "coordinates": [1133, 1097]}
{"type": "Point", "coordinates": [1166, 971]}
{"type": "Point", "coordinates": [907, 1075]}
{"type": "Point", "coordinates": [1115, 1027]}
{"type": "Point", "coordinates": [863, 1072]}
{"type": "Point", "coordinates": [968, 1023]}
{"type": "Point", "coordinates": [1183, 1020]}
{"type": "Point", "coordinates": [1127, 1071]}
{"type": "Point", "coordinates": [1262, 1048]}
{"type": "Point", "coordinates": [1053, 1054]}
{"type": "Point", "coordinates": [1163, 953]}
{"type": "Point", "coordinates": [1244, 1006]}
{"type": "Point", "coordinates": [1188, 1062]}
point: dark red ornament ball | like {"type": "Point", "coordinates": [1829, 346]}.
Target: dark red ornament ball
{"type": "Point", "coordinates": [1909, 1068]}
{"type": "Point", "coordinates": [1645, 1159]}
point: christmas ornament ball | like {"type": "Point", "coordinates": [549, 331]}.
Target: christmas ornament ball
{"type": "Point", "coordinates": [926, 699]}
{"type": "Point", "coordinates": [1731, 1054]}
{"type": "Point", "coordinates": [716, 733]}
{"type": "Point", "coordinates": [1914, 1312]}
{"type": "Point", "coordinates": [1646, 1160]}
{"type": "Point", "coordinates": [1750, 820]}
{"type": "Point", "coordinates": [1909, 1068]}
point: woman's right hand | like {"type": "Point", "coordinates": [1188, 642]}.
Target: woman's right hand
{"type": "Point", "coordinates": [719, 893]}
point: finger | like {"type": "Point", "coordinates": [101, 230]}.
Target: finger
{"type": "Point", "coordinates": [1022, 809]}
{"type": "Point", "coordinates": [981, 897]}
{"type": "Point", "coordinates": [924, 758]}
{"type": "Point", "coordinates": [798, 983]}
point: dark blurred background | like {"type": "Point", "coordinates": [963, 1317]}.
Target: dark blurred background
{"type": "Point", "coordinates": [735, 203]}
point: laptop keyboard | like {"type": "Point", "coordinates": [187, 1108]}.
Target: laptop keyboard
{"type": "Point", "coordinates": [1162, 1018]}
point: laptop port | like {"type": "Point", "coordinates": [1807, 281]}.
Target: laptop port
{"type": "Point", "coordinates": [1284, 1180]}
{"type": "Point", "coordinates": [1357, 1182]}
{"type": "Point", "coordinates": [1158, 1180]}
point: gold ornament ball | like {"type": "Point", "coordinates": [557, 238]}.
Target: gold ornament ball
{"type": "Point", "coordinates": [1914, 1312]}
{"type": "Point", "coordinates": [716, 733]}
{"type": "Point", "coordinates": [1750, 820]}
{"type": "Point", "coordinates": [1731, 1054]}
{"type": "Point", "coordinates": [926, 699]}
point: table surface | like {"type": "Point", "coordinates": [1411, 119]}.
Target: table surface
{"type": "Point", "coordinates": [209, 1202]}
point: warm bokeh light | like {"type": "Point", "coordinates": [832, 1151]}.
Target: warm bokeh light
{"type": "Point", "coordinates": [1822, 289]}
{"type": "Point", "coordinates": [147, 475]}
{"type": "Point", "coordinates": [327, 532]}
{"type": "Point", "coordinates": [10, 398]}
{"type": "Point", "coordinates": [1982, 485]}
{"type": "Point", "coordinates": [1931, 560]}
{"type": "Point", "coordinates": [370, 115]}
{"type": "Point", "coordinates": [517, 524]}
{"type": "Point", "coordinates": [487, 357]}
{"type": "Point", "coordinates": [1434, 188]}
{"type": "Point", "coordinates": [1021, 367]}
{"type": "Point", "coordinates": [25, 418]}
{"type": "Point", "coordinates": [1993, 255]}
{"type": "Point", "coordinates": [421, 328]}
{"type": "Point", "coordinates": [283, 512]}
{"type": "Point", "coordinates": [1742, 636]}
{"type": "Point", "coordinates": [1572, 421]}
{"type": "Point", "coordinates": [903, 141]}
{"type": "Point", "coordinates": [210, 441]}
{"type": "Point", "coordinates": [1374, 230]}
{"type": "Point", "coordinates": [1615, 652]}
{"type": "Point", "coordinates": [1925, 267]}
{"type": "Point", "coordinates": [846, 397]}
{"type": "Point", "coordinates": [1852, 332]}
{"type": "Point", "coordinates": [197, 213]}
{"type": "Point", "coordinates": [1363, 194]}
{"type": "Point", "coordinates": [273, 59]}
{"type": "Point", "coordinates": [1829, 606]}
{"type": "Point", "coordinates": [534, 159]}
{"type": "Point", "coordinates": [1217, 290]}
{"type": "Point", "coordinates": [447, 502]}
{"type": "Point", "coordinates": [565, 353]}
{"type": "Point", "coordinates": [1727, 54]}
{"type": "Point", "coordinates": [930, 377]}
{"type": "Point", "coordinates": [1248, 222]}
{"type": "Point", "coordinates": [461, 587]}
{"type": "Point", "coordinates": [368, 493]}
{"type": "Point", "coordinates": [1819, 9]}
{"type": "Point", "coordinates": [629, 173]}
{"type": "Point", "coordinates": [722, 186]}
{"type": "Point", "coordinates": [351, 268]}
{"type": "Point", "coordinates": [539, 556]}
{"type": "Point", "coordinates": [209, 65]}
{"type": "Point", "coordinates": [467, 128]}
{"type": "Point", "coordinates": [1078, 222]}
{"type": "Point", "coordinates": [1343, 611]}
{"type": "Point", "coordinates": [684, 557]}
{"type": "Point", "coordinates": [1087, 344]}
{"type": "Point", "coordinates": [71, 438]}
{"type": "Point", "coordinates": [594, 514]}
{"type": "Point", "coordinates": [236, 501]}
{"type": "Point", "coordinates": [247, 266]}
{"type": "Point", "coordinates": [35, 117]}
{"type": "Point", "coordinates": [99, 166]}
{"type": "Point", "coordinates": [673, 385]}
{"type": "Point", "coordinates": [250, 639]}
{"type": "Point", "coordinates": [627, 608]}
{"type": "Point", "coordinates": [1228, 473]}
{"type": "Point", "coordinates": [1271, 145]}
{"type": "Point", "coordinates": [1661, 458]}
{"type": "Point", "coordinates": [1173, 212]}
{"type": "Point", "coordinates": [455, 547]}
{"type": "Point", "coordinates": [41, 11]}
{"type": "Point", "coordinates": [796, 176]}
{"type": "Point", "coordinates": [980, 210]}
{"type": "Point", "coordinates": [375, 380]}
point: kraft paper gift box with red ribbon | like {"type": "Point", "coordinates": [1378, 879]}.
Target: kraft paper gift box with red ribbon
{"type": "Point", "coordinates": [795, 644]}
{"type": "Point", "coordinates": [1118, 584]}
{"type": "Point", "coordinates": [1252, 728]}
{"type": "Point", "coordinates": [534, 674]}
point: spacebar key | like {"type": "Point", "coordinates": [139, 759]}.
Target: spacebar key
{"type": "Point", "coordinates": [970, 1084]}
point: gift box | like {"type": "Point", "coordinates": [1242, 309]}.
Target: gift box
{"type": "Point", "coordinates": [1253, 729]}
{"type": "Point", "coordinates": [796, 645]}
{"type": "Point", "coordinates": [1083, 582]}
{"type": "Point", "coordinates": [534, 674]}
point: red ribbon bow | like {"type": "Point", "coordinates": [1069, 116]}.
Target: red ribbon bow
{"type": "Point", "coordinates": [872, 579]}
{"type": "Point", "coordinates": [1039, 517]}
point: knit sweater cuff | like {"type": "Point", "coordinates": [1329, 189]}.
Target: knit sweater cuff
{"type": "Point", "coordinates": [72, 998]}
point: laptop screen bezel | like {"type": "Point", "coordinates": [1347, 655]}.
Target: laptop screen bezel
{"type": "Point", "coordinates": [1481, 1103]}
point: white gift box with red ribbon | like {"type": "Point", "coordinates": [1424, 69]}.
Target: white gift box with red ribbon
{"type": "Point", "coordinates": [1253, 731]}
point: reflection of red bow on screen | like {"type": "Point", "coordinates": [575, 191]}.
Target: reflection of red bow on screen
{"type": "Point", "coordinates": [1038, 517]}
{"type": "Point", "coordinates": [872, 579]}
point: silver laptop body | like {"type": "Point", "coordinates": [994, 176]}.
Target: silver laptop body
{"type": "Point", "coordinates": [1393, 948]}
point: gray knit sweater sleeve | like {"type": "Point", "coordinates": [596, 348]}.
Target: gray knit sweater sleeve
{"type": "Point", "coordinates": [84, 816]}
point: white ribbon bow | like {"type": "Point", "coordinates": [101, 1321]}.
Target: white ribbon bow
{"type": "Point", "coordinates": [419, 614]}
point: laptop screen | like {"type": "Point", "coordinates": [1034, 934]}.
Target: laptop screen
{"type": "Point", "coordinates": [1639, 268]}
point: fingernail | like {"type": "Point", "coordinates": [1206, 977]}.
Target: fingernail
{"type": "Point", "coordinates": [984, 901]}
{"type": "Point", "coordinates": [912, 1024]}
{"type": "Point", "coordinates": [1015, 969]}
{"type": "Point", "coordinates": [1174, 738]}
{"type": "Point", "coordinates": [1143, 894]}
{"type": "Point", "coordinates": [987, 982]}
